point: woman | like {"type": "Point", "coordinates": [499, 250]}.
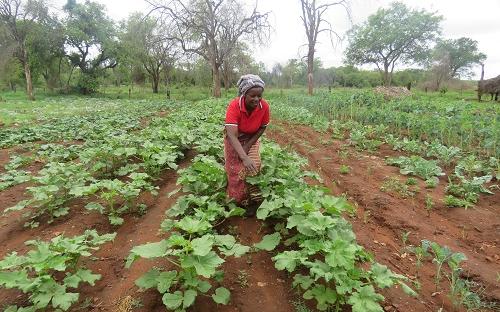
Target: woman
{"type": "Point", "coordinates": [247, 117]}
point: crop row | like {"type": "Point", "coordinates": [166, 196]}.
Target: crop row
{"type": "Point", "coordinates": [470, 173]}
{"type": "Point", "coordinates": [471, 127]}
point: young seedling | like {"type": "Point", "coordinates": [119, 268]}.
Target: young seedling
{"type": "Point", "coordinates": [344, 169]}
{"type": "Point", "coordinates": [441, 256]}
{"type": "Point", "coordinates": [411, 181]}
{"type": "Point", "coordinates": [429, 204]}
{"type": "Point", "coordinates": [421, 252]}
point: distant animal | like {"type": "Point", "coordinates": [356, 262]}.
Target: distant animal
{"type": "Point", "coordinates": [491, 86]}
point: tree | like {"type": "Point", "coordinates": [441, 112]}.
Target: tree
{"type": "Point", "coordinates": [392, 36]}
{"type": "Point", "coordinates": [19, 19]}
{"type": "Point", "coordinates": [91, 38]}
{"type": "Point", "coordinates": [458, 56]}
{"type": "Point", "coordinates": [313, 20]}
{"type": "Point", "coordinates": [47, 51]}
{"type": "Point", "coordinates": [145, 42]}
{"type": "Point", "coordinates": [290, 72]}
{"type": "Point", "coordinates": [211, 29]}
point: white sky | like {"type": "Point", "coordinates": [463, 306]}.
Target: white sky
{"type": "Point", "coordinates": [478, 19]}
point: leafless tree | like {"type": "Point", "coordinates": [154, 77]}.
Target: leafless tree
{"type": "Point", "coordinates": [441, 71]}
{"type": "Point", "coordinates": [212, 28]}
{"type": "Point", "coordinates": [315, 22]}
{"type": "Point", "coordinates": [18, 17]}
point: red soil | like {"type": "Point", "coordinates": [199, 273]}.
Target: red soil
{"type": "Point", "coordinates": [383, 217]}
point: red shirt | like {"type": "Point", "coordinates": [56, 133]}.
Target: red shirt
{"type": "Point", "coordinates": [237, 115]}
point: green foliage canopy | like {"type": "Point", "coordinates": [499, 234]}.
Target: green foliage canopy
{"type": "Point", "coordinates": [391, 36]}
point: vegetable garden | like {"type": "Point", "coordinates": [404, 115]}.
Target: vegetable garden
{"type": "Point", "coordinates": [369, 205]}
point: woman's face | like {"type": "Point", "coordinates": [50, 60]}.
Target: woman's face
{"type": "Point", "coordinates": [253, 97]}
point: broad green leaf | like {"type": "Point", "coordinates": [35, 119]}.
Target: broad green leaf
{"type": "Point", "coordinates": [59, 212]}
{"type": "Point", "coordinates": [204, 286]}
{"type": "Point", "coordinates": [319, 269]}
{"type": "Point", "coordinates": [294, 220]}
{"type": "Point", "coordinates": [165, 280]}
{"type": "Point", "coordinates": [148, 251]}
{"type": "Point", "coordinates": [237, 250]}
{"type": "Point", "coordinates": [41, 299]}
{"type": "Point", "coordinates": [265, 209]}
{"type": "Point", "coordinates": [382, 276]}
{"type": "Point", "coordinates": [288, 260]}
{"type": "Point", "coordinates": [189, 297]}
{"type": "Point", "coordinates": [204, 265]}
{"type": "Point", "coordinates": [366, 300]}
{"type": "Point", "coordinates": [64, 300]}
{"type": "Point", "coordinates": [324, 296]}
{"type": "Point", "coordinates": [304, 281]}
{"type": "Point", "coordinates": [115, 220]}
{"type": "Point", "coordinates": [95, 206]}
{"type": "Point", "coordinates": [341, 254]}
{"type": "Point", "coordinates": [12, 260]}
{"type": "Point", "coordinates": [225, 240]}
{"type": "Point", "coordinates": [202, 246]}
{"type": "Point", "coordinates": [148, 280]}
{"type": "Point", "coordinates": [19, 206]}
{"type": "Point", "coordinates": [72, 281]}
{"type": "Point", "coordinates": [222, 296]}
{"type": "Point", "coordinates": [269, 242]}
{"type": "Point", "coordinates": [173, 301]}
{"type": "Point", "coordinates": [88, 276]}
{"type": "Point", "coordinates": [192, 226]}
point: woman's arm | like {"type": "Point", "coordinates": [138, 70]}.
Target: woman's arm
{"type": "Point", "coordinates": [232, 135]}
{"type": "Point", "coordinates": [248, 144]}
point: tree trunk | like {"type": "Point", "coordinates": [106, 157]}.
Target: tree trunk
{"type": "Point", "coordinates": [27, 74]}
{"type": "Point", "coordinates": [226, 77]}
{"type": "Point", "coordinates": [155, 82]}
{"type": "Point", "coordinates": [216, 80]}
{"type": "Point", "coordinates": [387, 81]}
{"type": "Point", "coordinates": [310, 68]}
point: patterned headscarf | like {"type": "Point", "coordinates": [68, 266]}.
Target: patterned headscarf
{"type": "Point", "coordinates": [247, 82]}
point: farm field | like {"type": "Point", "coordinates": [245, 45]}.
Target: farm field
{"type": "Point", "coordinates": [361, 195]}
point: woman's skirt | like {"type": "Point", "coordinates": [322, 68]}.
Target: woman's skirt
{"type": "Point", "coordinates": [237, 188]}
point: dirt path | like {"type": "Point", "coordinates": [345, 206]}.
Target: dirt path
{"type": "Point", "coordinates": [382, 217]}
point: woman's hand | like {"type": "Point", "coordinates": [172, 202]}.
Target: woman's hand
{"type": "Point", "coordinates": [246, 148]}
{"type": "Point", "coordinates": [249, 165]}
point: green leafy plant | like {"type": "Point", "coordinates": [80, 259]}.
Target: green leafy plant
{"type": "Point", "coordinates": [452, 201]}
{"type": "Point", "coordinates": [468, 190]}
{"type": "Point", "coordinates": [411, 181]}
{"type": "Point", "coordinates": [193, 258]}
{"type": "Point", "coordinates": [53, 190]}
{"type": "Point", "coordinates": [421, 253]}
{"type": "Point", "coordinates": [394, 185]}
{"type": "Point", "coordinates": [344, 169]}
{"type": "Point", "coordinates": [38, 271]}
{"type": "Point", "coordinates": [118, 196]}
{"type": "Point", "coordinates": [14, 177]}
{"type": "Point", "coordinates": [429, 204]}
{"type": "Point", "coordinates": [416, 165]}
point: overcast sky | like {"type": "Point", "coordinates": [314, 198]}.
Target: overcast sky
{"type": "Point", "coordinates": [478, 19]}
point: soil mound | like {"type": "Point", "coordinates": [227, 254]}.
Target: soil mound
{"type": "Point", "coordinates": [392, 92]}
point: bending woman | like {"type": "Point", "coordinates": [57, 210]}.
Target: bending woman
{"type": "Point", "coordinates": [247, 117]}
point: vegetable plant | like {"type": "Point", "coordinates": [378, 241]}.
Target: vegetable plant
{"type": "Point", "coordinates": [38, 272]}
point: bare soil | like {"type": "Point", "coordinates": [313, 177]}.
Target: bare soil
{"type": "Point", "coordinates": [383, 217]}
